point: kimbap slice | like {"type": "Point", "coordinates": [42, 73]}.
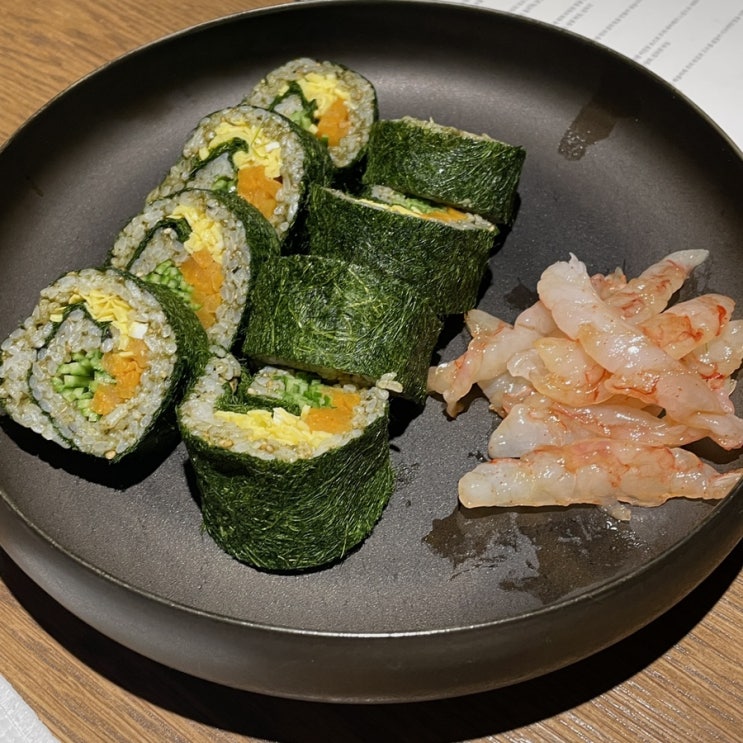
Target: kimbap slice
{"type": "Point", "coordinates": [99, 361]}
{"type": "Point", "coordinates": [469, 171]}
{"type": "Point", "coordinates": [329, 100]}
{"type": "Point", "coordinates": [260, 156]}
{"type": "Point", "coordinates": [335, 318]}
{"type": "Point", "coordinates": [440, 250]}
{"type": "Point", "coordinates": [207, 248]}
{"type": "Point", "coordinates": [293, 471]}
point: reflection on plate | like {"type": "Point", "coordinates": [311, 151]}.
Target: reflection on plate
{"type": "Point", "coordinates": [438, 601]}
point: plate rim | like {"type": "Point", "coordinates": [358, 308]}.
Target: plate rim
{"type": "Point", "coordinates": [717, 513]}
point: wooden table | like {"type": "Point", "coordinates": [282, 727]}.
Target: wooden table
{"type": "Point", "coordinates": [680, 679]}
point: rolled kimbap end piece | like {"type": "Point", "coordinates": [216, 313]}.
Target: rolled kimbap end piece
{"type": "Point", "coordinates": [440, 250]}
{"type": "Point", "coordinates": [293, 471]}
{"type": "Point", "coordinates": [207, 247]}
{"type": "Point", "coordinates": [468, 171]}
{"type": "Point", "coordinates": [256, 154]}
{"type": "Point", "coordinates": [99, 361]}
{"type": "Point", "coordinates": [329, 100]}
{"type": "Point", "coordinates": [335, 318]}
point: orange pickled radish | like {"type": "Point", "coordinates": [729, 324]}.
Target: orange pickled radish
{"type": "Point", "coordinates": [334, 123]}
{"type": "Point", "coordinates": [256, 187]}
{"type": "Point", "coordinates": [105, 399]}
{"type": "Point", "coordinates": [207, 316]}
{"type": "Point", "coordinates": [447, 214]}
{"type": "Point", "coordinates": [204, 274]}
{"type": "Point", "coordinates": [338, 417]}
{"type": "Point", "coordinates": [203, 258]}
{"type": "Point", "coordinates": [126, 367]}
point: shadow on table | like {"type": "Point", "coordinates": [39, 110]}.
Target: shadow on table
{"type": "Point", "coordinates": [287, 721]}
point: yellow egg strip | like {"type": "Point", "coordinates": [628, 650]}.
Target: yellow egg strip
{"type": "Point", "coordinates": [206, 233]}
{"type": "Point", "coordinates": [262, 150]}
{"type": "Point", "coordinates": [325, 90]}
{"type": "Point", "coordinates": [444, 213]}
{"type": "Point", "coordinates": [277, 425]}
{"type": "Point", "coordinates": [108, 308]}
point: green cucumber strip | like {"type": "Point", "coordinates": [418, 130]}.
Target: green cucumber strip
{"type": "Point", "coordinates": [77, 380]}
{"type": "Point", "coordinates": [166, 273]}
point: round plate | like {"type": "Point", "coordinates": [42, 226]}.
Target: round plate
{"type": "Point", "coordinates": [620, 170]}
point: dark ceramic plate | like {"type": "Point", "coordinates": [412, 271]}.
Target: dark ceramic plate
{"type": "Point", "coordinates": [438, 602]}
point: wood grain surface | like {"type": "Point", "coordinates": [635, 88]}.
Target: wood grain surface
{"type": "Point", "coordinates": [679, 679]}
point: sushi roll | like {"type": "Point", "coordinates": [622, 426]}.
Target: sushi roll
{"type": "Point", "coordinates": [205, 246]}
{"type": "Point", "coordinates": [99, 360]}
{"type": "Point", "coordinates": [441, 251]}
{"type": "Point", "coordinates": [293, 471]}
{"type": "Point", "coordinates": [335, 318]}
{"type": "Point", "coordinates": [329, 100]}
{"type": "Point", "coordinates": [260, 156]}
{"type": "Point", "coordinates": [468, 171]}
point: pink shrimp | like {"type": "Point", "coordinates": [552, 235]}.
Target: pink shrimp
{"type": "Point", "coordinates": [562, 370]}
{"type": "Point", "coordinates": [480, 323]}
{"type": "Point", "coordinates": [559, 367]}
{"type": "Point", "coordinates": [606, 284]}
{"type": "Point", "coordinates": [596, 471]}
{"type": "Point", "coordinates": [719, 357]}
{"type": "Point", "coordinates": [649, 293]}
{"type": "Point", "coordinates": [493, 343]}
{"type": "Point", "coordinates": [538, 318]}
{"type": "Point", "coordinates": [716, 360]}
{"type": "Point", "coordinates": [687, 325]}
{"type": "Point", "coordinates": [538, 421]}
{"type": "Point", "coordinates": [504, 391]}
{"type": "Point", "coordinates": [637, 366]}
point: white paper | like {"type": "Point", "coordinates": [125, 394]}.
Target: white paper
{"type": "Point", "coordinates": [18, 722]}
{"type": "Point", "coordinates": [696, 45]}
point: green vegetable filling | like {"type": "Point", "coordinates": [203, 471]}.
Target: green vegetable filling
{"type": "Point", "coordinates": [224, 184]}
{"type": "Point", "coordinates": [303, 389]}
{"type": "Point", "coordinates": [306, 116]}
{"type": "Point", "coordinates": [76, 380]}
{"type": "Point", "coordinates": [415, 205]}
{"type": "Point", "coordinates": [292, 392]}
{"type": "Point", "coordinates": [168, 274]}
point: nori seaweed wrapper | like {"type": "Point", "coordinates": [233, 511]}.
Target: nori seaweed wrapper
{"type": "Point", "coordinates": [336, 318]}
{"type": "Point", "coordinates": [443, 260]}
{"type": "Point", "coordinates": [154, 246]}
{"type": "Point", "coordinates": [422, 158]}
{"type": "Point", "coordinates": [51, 365]}
{"type": "Point", "coordinates": [282, 515]}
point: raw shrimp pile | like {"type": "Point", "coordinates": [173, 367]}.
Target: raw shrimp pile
{"type": "Point", "coordinates": [599, 384]}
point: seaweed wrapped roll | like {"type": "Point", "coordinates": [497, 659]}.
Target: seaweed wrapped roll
{"type": "Point", "coordinates": [99, 360]}
{"type": "Point", "coordinates": [205, 246]}
{"type": "Point", "coordinates": [329, 100]}
{"type": "Point", "coordinates": [293, 471]}
{"type": "Point", "coordinates": [441, 251]}
{"type": "Point", "coordinates": [335, 318]}
{"type": "Point", "coordinates": [260, 156]}
{"type": "Point", "coordinates": [469, 171]}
